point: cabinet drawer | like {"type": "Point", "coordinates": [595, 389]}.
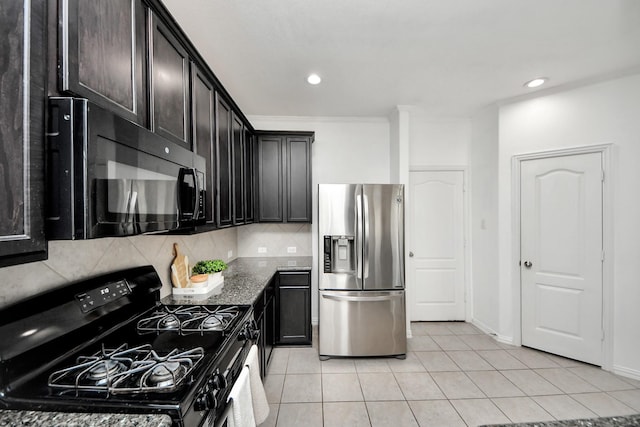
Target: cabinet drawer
{"type": "Point", "coordinates": [294, 279]}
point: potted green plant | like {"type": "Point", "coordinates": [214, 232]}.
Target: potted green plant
{"type": "Point", "coordinates": [211, 267]}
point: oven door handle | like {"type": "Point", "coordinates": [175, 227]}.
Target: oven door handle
{"type": "Point", "coordinates": [233, 361]}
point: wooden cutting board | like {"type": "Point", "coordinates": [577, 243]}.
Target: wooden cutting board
{"type": "Point", "coordinates": [179, 268]}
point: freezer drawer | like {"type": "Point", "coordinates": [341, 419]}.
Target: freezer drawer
{"type": "Point", "coordinates": [362, 323]}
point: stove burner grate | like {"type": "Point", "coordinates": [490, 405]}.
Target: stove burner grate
{"type": "Point", "coordinates": [128, 370]}
{"type": "Point", "coordinates": [189, 319]}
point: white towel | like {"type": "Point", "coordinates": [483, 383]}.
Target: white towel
{"type": "Point", "coordinates": [258, 395]}
{"type": "Point", "coordinates": [240, 398]}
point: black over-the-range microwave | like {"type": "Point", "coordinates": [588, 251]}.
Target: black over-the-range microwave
{"type": "Point", "coordinates": [107, 176]}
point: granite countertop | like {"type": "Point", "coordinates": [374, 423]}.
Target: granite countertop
{"type": "Point", "coordinates": [244, 280]}
{"type": "Point", "coordinates": [71, 419]}
{"type": "Point", "coordinates": [620, 421]}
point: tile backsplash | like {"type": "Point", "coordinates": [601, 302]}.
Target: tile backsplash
{"type": "Point", "coordinates": [273, 240]}
{"type": "Point", "coordinates": [73, 260]}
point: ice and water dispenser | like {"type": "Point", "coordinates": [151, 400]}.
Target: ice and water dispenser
{"type": "Point", "coordinates": [339, 254]}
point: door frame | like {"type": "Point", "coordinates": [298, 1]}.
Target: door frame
{"type": "Point", "coordinates": [607, 152]}
{"type": "Point", "coordinates": [468, 297]}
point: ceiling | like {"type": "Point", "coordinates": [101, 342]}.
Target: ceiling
{"type": "Point", "coordinates": [447, 57]}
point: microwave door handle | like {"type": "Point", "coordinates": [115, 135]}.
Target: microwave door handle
{"type": "Point", "coordinates": [181, 174]}
{"type": "Point", "coordinates": [181, 179]}
{"type": "Point", "coordinates": [130, 201]}
{"type": "Point", "coordinates": [196, 195]}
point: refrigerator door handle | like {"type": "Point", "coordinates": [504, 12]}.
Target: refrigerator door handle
{"type": "Point", "coordinates": [358, 299]}
{"type": "Point", "coordinates": [359, 237]}
{"type": "Point", "coordinates": [365, 237]}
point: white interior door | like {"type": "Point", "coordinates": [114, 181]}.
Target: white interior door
{"type": "Point", "coordinates": [561, 255]}
{"type": "Point", "coordinates": [436, 240]}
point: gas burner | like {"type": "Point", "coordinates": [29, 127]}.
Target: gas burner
{"type": "Point", "coordinates": [163, 374]}
{"type": "Point", "coordinates": [103, 370]}
{"type": "Point", "coordinates": [212, 322]}
{"type": "Point", "coordinates": [169, 322]}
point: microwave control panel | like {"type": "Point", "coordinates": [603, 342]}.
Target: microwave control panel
{"type": "Point", "coordinates": [98, 297]}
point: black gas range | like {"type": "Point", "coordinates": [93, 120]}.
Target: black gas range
{"type": "Point", "coordinates": [106, 344]}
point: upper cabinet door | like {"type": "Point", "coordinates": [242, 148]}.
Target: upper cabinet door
{"type": "Point", "coordinates": [102, 54]}
{"type": "Point", "coordinates": [223, 166]}
{"type": "Point", "coordinates": [170, 98]}
{"type": "Point", "coordinates": [298, 178]}
{"type": "Point", "coordinates": [22, 103]}
{"type": "Point", "coordinates": [249, 144]}
{"type": "Point", "coordinates": [270, 178]}
{"type": "Point", "coordinates": [204, 134]}
{"type": "Point", "coordinates": [238, 170]}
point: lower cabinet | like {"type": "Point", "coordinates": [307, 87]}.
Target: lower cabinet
{"type": "Point", "coordinates": [269, 322]}
{"type": "Point", "coordinates": [293, 308]}
{"type": "Point", "coordinates": [283, 314]}
{"type": "Point", "coordinates": [264, 315]}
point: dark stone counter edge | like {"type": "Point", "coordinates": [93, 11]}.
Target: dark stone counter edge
{"type": "Point", "coordinates": [11, 418]}
{"type": "Point", "coordinates": [619, 421]}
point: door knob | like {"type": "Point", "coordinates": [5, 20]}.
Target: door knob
{"type": "Point", "coordinates": [528, 264]}
{"type": "Point", "coordinates": [410, 254]}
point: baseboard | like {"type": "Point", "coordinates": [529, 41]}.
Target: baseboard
{"type": "Point", "coordinates": [489, 331]}
{"type": "Point", "coordinates": [626, 372]}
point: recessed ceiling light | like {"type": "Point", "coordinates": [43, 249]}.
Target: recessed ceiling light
{"type": "Point", "coordinates": [539, 81]}
{"type": "Point", "coordinates": [314, 79]}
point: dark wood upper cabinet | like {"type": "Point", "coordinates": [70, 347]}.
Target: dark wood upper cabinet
{"type": "Point", "coordinates": [284, 176]}
{"type": "Point", "coordinates": [270, 178]}
{"type": "Point", "coordinates": [237, 160]}
{"type": "Point", "coordinates": [170, 96]}
{"type": "Point", "coordinates": [203, 98]}
{"type": "Point", "coordinates": [22, 104]}
{"type": "Point", "coordinates": [223, 164]}
{"type": "Point", "coordinates": [298, 178]}
{"type": "Point", "coordinates": [103, 45]}
{"type": "Point", "coordinates": [249, 150]}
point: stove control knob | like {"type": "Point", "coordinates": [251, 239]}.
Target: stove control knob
{"type": "Point", "coordinates": [250, 332]}
{"type": "Point", "coordinates": [254, 330]}
{"type": "Point", "coordinates": [217, 381]}
{"type": "Point", "coordinates": [203, 402]}
{"type": "Point", "coordinates": [254, 334]}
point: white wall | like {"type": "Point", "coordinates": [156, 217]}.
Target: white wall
{"type": "Point", "coordinates": [607, 112]}
{"type": "Point", "coordinates": [483, 160]}
{"type": "Point", "coordinates": [346, 150]}
{"type": "Point", "coordinates": [438, 142]}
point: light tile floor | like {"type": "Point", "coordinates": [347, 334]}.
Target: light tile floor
{"type": "Point", "coordinates": [454, 375]}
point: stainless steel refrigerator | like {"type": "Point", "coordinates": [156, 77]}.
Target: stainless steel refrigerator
{"type": "Point", "coordinates": [361, 271]}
